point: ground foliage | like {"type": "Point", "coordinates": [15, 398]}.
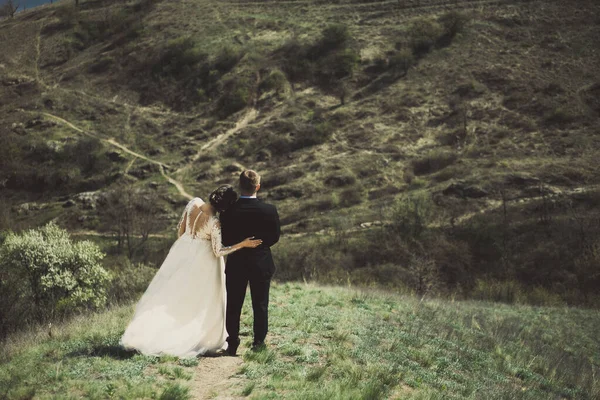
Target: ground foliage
{"type": "Point", "coordinates": [333, 343]}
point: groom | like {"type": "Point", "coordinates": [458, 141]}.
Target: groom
{"type": "Point", "coordinates": [249, 217]}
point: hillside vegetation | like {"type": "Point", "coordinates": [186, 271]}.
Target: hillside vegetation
{"type": "Point", "coordinates": [432, 146]}
{"type": "Point", "coordinates": [330, 343]}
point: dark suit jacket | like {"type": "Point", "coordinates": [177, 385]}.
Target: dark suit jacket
{"type": "Point", "coordinates": [246, 218]}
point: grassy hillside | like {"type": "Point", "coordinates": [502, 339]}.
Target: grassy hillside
{"type": "Point", "coordinates": [330, 343]}
{"type": "Point", "coordinates": [351, 110]}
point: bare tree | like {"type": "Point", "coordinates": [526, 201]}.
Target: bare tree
{"type": "Point", "coordinates": [424, 274]}
{"type": "Point", "coordinates": [132, 215]}
{"type": "Point", "coordinates": [8, 8]}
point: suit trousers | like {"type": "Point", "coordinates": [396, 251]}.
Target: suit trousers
{"type": "Point", "coordinates": [236, 292]}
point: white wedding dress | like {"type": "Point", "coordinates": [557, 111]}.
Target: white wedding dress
{"type": "Point", "coordinates": [182, 313]}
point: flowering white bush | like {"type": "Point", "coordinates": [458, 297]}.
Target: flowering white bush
{"type": "Point", "coordinates": [43, 272]}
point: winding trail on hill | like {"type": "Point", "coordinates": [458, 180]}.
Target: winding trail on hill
{"type": "Point", "coordinates": [212, 378]}
{"type": "Point", "coordinates": [248, 117]}
{"type": "Point", "coordinates": [243, 122]}
{"type": "Point", "coordinates": [38, 53]}
{"type": "Point", "coordinates": [136, 108]}
{"type": "Point", "coordinates": [391, 5]}
{"type": "Point", "coordinates": [491, 205]}
{"type": "Point", "coordinates": [162, 166]}
{"type": "Point", "coordinates": [110, 235]}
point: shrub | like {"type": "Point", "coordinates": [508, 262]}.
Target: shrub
{"type": "Point", "coordinates": [352, 196]}
{"type": "Point", "coordinates": [295, 60]}
{"type": "Point", "coordinates": [238, 93]}
{"type": "Point", "coordinates": [434, 161]}
{"type": "Point", "coordinates": [87, 154]}
{"type": "Point", "coordinates": [559, 116]}
{"type": "Point", "coordinates": [344, 62]}
{"type": "Point", "coordinates": [280, 178]}
{"type": "Point", "coordinates": [497, 291]}
{"type": "Point", "coordinates": [424, 34]}
{"type": "Point", "coordinates": [130, 280]}
{"type": "Point", "coordinates": [101, 65]}
{"type": "Point", "coordinates": [340, 178]}
{"type": "Point", "coordinates": [410, 217]}
{"type": "Point", "coordinates": [335, 66]}
{"type": "Point", "coordinates": [44, 274]}
{"type": "Point", "coordinates": [453, 23]}
{"type": "Point", "coordinates": [423, 275]}
{"type": "Point", "coordinates": [276, 81]}
{"type": "Point", "coordinates": [408, 175]}
{"type": "Point", "coordinates": [311, 134]}
{"type": "Point", "coordinates": [227, 58]}
{"type": "Point", "coordinates": [132, 215]}
{"type": "Point", "coordinates": [333, 37]}
{"type": "Point", "coordinates": [328, 60]}
{"type": "Point", "coordinates": [179, 57]}
{"type": "Point", "coordinates": [67, 15]}
{"type": "Point", "coordinates": [401, 61]}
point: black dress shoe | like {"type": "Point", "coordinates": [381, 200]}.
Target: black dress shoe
{"type": "Point", "coordinates": [231, 352]}
{"type": "Point", "coordinates": [232, 346]}
{"type": "Point", "coordinates": [258, 346]}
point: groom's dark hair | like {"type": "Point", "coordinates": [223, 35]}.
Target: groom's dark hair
{"type": "Point", "coordinates": [249, 180]}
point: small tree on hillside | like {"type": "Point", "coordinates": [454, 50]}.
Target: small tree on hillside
{"type": "Point", "coordinates": [132, 215]}
{"type": "Point", "coordinates": [8, 8]}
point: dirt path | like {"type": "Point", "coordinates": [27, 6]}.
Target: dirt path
{"type": "Point", "coordinates": [178, 185]}
{"type": "Point", "coordinates": [215, 378]}
{"type": "Point", "coordinates": [240, 124]}
{"type": "Point", "coordinates": [38, 77]}
{"type": "Point", "coordinates": [110, 141]}
{"type": "Point", "coordinates": [249, 116]}
{"type": "Point", "coordinates": [491, 205]}
{"type": "Point", "coordinates": [110, 235]}
{"type": "Point", "coordinates": [132, 107]}
{"type": "Point", "coordinates": [175, 183]}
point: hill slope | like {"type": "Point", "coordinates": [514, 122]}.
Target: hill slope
{"type": "Point", "coordinates": [508, 94]}
{"type": "Point", "coordinates": [487, 108]}
{"type": "Point", "coordinates": [330, 343]}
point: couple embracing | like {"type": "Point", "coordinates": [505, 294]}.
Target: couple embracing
{"type": "Point", "coordinates": [193, 304]}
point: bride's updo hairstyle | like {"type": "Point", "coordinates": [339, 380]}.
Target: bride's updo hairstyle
{"type": "Point", "coordinates": [223, 197]}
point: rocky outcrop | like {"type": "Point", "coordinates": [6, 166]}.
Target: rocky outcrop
{"type": "Point", "coordinates": [90, 200]}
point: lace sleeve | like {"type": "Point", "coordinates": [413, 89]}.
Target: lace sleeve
{"type": "Point", "coordinates": [217, 246]}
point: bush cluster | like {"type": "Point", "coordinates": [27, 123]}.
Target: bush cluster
{"type": "Point", "coordinates": [237, 93]}
{"type": "Point", "coordinates": [324, 63]}
{"type": "Point", "coordinates": [537, 256]}
{"type": "Point", "coordinates": [181, 74]}
{"type": "Point", "coordinates": [44, 275]}
{"type": "Point", "coordinates": [276, 80]}
{"type": "Point", "coordinates": [129, 280]}
{"type": "Point", "coordinates": [37, 165]}
{"type": "Point", "coordinates": [86, 29]}
{"type": "Point", "coordinates": [423, 35]}
{"type": "Point", "coordinates": [433, 161]}
{"type": "Point", "coordinates": [427, 33]}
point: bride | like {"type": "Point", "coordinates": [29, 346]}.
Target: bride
{"type": "Point", "coordinates": [182, 313]}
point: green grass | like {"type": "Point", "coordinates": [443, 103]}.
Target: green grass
{"type": "Point", "coordinates": [336, 343]}
{"type": "Point", "coordinates": [83, 359]}
{"type": "Point", "coordinates": [333, 343]}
